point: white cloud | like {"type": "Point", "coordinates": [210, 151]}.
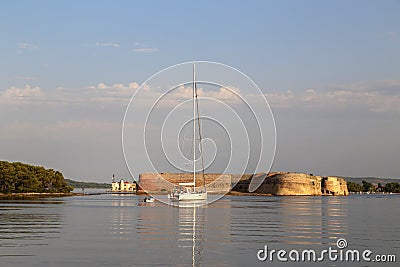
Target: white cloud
{"type": "Point", "coordinates": [25, 94]}
{"type": "Point", "coordinates": [115, 87]}
{"type": "Point", "coordinates": [147, 96]}
{"type": "Point", "coordinates": [225, 94]}
{"type": "Point", "coordinates": [27, 46]}
{"type": "Point", "coordinates": [133, 85]}
{"type": "Point", "coordinates": [115, 45]}
{"type": "Point", "coordinates": [118, 86]}
{"type": "Point", "coordinates": [281, 100]}
{"type": "Point", "coordinates": [24, 78]}
{"type": "Point", "coordinates": [72, 96]}
{"type": "Point", "coordinates": [186, 92]}
{"type": "Point", "coordinates": [373, 96]}
{"type": "Point", "coordinates": [391, 35]}
{"type": "Point", "coordinates": [111, 93]}
{"type": "Point", "coordinates": [142, 48]}
{"type": "Point", "coordinates": [145, 50]}
{"type": "Point", "coordinates": [101, 86]}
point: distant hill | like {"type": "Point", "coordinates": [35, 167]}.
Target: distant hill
{"type": "Point", "coordinates": [372, 180]}
{"type": "Point", "coordinates": [77, 184]}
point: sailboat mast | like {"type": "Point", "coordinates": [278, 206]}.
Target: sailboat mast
{"type": "Point", "coordinates": [194, 126]}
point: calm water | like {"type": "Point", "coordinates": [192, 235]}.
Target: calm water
{"type": "Point", "coordinates": [111, 230]}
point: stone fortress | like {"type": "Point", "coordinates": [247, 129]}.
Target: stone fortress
{"type": "Point", "coordinates": [294, 184]}
{"type": "Point", "coordinates": [274, 183]}
{"type": "Point", "coordinates": [164, 182]}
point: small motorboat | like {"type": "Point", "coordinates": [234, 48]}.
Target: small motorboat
{"type": "Point", "coordinates": [148, 200]}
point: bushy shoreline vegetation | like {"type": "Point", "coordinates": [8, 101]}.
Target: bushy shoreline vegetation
{"type": "Point", "coordinates": [17, 177]}
{"type": "Point", "coordinates": [78, 184]}
{"type": "Point", "coordinates": [369, 187]}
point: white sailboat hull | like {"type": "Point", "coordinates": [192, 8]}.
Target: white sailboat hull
{"type": "Point", "coordinates": [188, 196]}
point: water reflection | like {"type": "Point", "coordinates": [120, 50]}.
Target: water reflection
{"type": "Point", "coordinates": [313, 220]}
{"type": "Point", "coordinates": [122, 217]}
{"type": "Point", "coordinates": [26, 223]}
{"type": "Point", "coordinates": [290, 220]}
{"type": "Point", "coordinates": [107, 230]}
{"type": "Point", "coordinates": [172, 235]}
{"type": "Point", "coordinates": [191, 229]}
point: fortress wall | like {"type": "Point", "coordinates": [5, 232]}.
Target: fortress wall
{"type": "Point", "coordinates": [153, 182]}
{"type": "Point", "coordinates": [336, 186]}
{"type": "Point", "coordinates": [161, 182]}
{"type": "Point", "coordinates": [294, 184]}
{"type": "Point", "coordinates": [276, 183]}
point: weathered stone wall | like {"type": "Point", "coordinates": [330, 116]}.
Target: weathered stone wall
{"type": "Point", "coordinates": [334, 186]}
{"type": "Point", "coordinates": [276, 183]}
{"type": "Point", "coordinates": [164, 182]}
{"type": "Point", "coordinates": [294, 184]}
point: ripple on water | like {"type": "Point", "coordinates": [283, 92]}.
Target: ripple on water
{"type": "Point", "coordinates": [28, 224]}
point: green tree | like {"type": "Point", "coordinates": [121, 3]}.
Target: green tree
{"type": "Point", "coordinates": [17, 177]}
{"type": "Point", "coordinates": [367, 187]}
{"type": "Point", "coordinates": [354, 187]}
{"type": "Point", "coordinates": [392, 187]}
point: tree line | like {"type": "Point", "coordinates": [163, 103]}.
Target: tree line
{"type": "Point", "coordinates": [78, 184]}
{"type": "Point", "coordinates": [368, 187]}
{"type": "Point", "coordinates": [17, 177]}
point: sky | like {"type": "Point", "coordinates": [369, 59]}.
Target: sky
{"type": "Point", "coordinates": [330, 71]}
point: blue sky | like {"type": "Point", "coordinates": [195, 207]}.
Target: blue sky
{"type": "Point", "coordinates": [316, 41]}
{"type": "Point", "coordinates": [329, 66]}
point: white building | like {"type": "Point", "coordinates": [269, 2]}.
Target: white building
{"type": "Point", "coordinates": [123, 186]}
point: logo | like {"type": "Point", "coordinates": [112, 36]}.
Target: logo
{"type": "Point", "coordinates": [334, 254]}
{"type": "Point", "coordinates": [194, 118]}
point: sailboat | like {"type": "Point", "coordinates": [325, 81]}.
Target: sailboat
{"type": "Point", "coordinates": [188, 191]}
